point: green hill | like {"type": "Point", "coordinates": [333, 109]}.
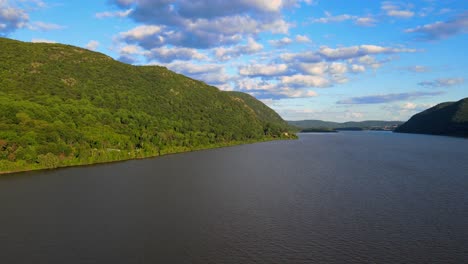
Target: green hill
{"type": "Point", "coordinates": [370, 124]}
{"type": "Point", "coordinates": [450, 118]}
{"type": "Point", "coordinates": [62, 105]}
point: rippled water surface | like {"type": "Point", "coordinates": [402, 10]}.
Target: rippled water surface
{"type": "Point", "coordinates": [350, 197]}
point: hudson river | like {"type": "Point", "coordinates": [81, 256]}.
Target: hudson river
{"type": "Point", "coordinates": [348, 197]}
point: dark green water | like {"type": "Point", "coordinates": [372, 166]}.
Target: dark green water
{"type": "Point", "coordinates": [348, 197]}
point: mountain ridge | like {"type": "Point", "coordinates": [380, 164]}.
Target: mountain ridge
{"type": "Point", "coordinates": [448, 118]}
{"type": "Point", "coordinates": [63, 105]}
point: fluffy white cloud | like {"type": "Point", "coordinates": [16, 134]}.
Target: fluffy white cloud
{"type": "Point", "coordinates": [213, 74]}
{"type": "Point", "coordinates": [281, 42]}
{"type": "Point", "coordinates": [409, 106]}
{"type": "Point", "coordinates": [11, 17]}
{"type": "Point", "coordinates": [318, 68]}
{"type": "Point", "coordinates": [295, 93]}
{"type": "Point", "coordinates": [360, 21]}
{"type": "Point", "coordinates": [165, 54]}
{"type": "Point", "coordinates": [358, 51]}
{"type": "Point", "coordinates": [203, 23]}
{"type": "Point", "coordinates": [302, 39]}
{"type": "Point", "coordinates": [107, 14]}
{"type": "Point", "coordinates": [141, 32]}
{"type": "Point", "coordinates": [392, 9]}
{"type": "Point", "coordinates": [250, 47]}
{"type": "Point", "coordinates": [300, 80]}
{"type": "Point", "coordinates": [365, 21]}
{"type": "Point", "coordinates": [355, 68]}
{"type": "Point", "coordinates": [261, 70]}
{"type": "Point", "coordinates": [342, 53]}
{"type": "Point", "coordinates": [338, 68]}
{"type": "Point", "coordinates": [92, 45]}
{"type": "Point", "coordinates": [14, 15]}
{"type": "Point", "coordinates": [130, 49]}
{"type": "Point", "coordinates": [442, 30]}
{"type": "Point", "coordinates": [268, 90]}
{"type": "Point", "coordinates": [38, 40]}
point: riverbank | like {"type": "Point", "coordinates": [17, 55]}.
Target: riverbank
{"type": "Point", "coordinates": [74, 162]}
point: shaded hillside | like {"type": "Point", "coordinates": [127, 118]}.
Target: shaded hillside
{"type": "Point", "coordinates": [450, 118]}
{"type": "Point", "coordinates": [335, 125]}
{"type": "Point", "coordinates": [62, 105]}
{"type": "Point", "coordinates": [272, 122]}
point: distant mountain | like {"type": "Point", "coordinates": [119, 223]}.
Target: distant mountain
{"type": "Point", "coordinates": [62, 105]}
{"type": "Point", "coordinates": [450, 118]}
{"type": "Point", "coordinates": [371, 124]}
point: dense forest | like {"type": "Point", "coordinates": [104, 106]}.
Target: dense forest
{"type": "Point", "coordinates": [449, 118]}
{"type": "Point", "coordinates": [62, 105]}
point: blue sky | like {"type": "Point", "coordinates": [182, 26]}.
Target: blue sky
{"type": "Point", "coordinates": [307, 59]}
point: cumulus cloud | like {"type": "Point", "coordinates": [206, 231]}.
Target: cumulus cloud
{"type": "Point", "coordinates": [213, 74]}
{"type": "Point", "coordinates": [165, 54]}
{"type": "Point", "coordinates": [329, 18]}
{"type": "Point", "coordinates": [355, 68]}
{"type": "Point", "coordinates": [321, 68]}
{"type": "Point", "coordinates": [250, 47]}
{"type": "Point", "coordinates": [294, 93]}
{"type": "Point", "coordinates": [92, 45]}
{"type": "Point", "coordinates": [281, 42]}
{"type": "Point", "coordinates": [303, 39]}
{"type": "Point", "coordinates": [14, 15]}
{"type": "Point", "coordinates": [385, 98]}
{"type": "Point", "coordinates": [11, 18]}
{"type": "Point", "coordinates": [127, 58]}
{"type": "Point", "coordinates": [365, 21]}
{"type": "Point", "coordinates": [204, 23]}
{"type": "Point", "coordinates": [39, 40]}
{"type": "Point", "coordinates": [342, 53]}
{"type": "Point", "coordinates": [443, 82]}
{"type": "Point", "coordinates": [409, 106]}
{"type": "Point", "coordinates": [318, 68]}
{"type": "Point", "coordinates": [195, 69]}
{"type": "Point", "coordinates": [107, 14]}
{"type": "Point", "coordinates": [261, 70]}
{"type": "Point", "coordinates": [360, 21]}
{"type": "Point", "coordinates": [300, 80]}
{"type": "Point", "coordinates": [358, 51]}
{"type": "Point", "coordinates": [405, 110]}
{"type": "Point", "coordinates": [442, 30]}
{"type": "Point", "coordinates": [268, 90]}
{"type": "Point", "coordinates": [392, 9]}
{"type": "Point", "coordinates": [130, 49]}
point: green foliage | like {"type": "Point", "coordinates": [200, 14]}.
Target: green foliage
{"type": "Point", "coordinates": [62, 105]}
{"type": "Point", "coordinates": [48, 160]}
{"type": "Point", "coordinates": [449, 118]}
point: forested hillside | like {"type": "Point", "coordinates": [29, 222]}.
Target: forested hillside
{"type": "Point", "coordinates": [62, 105]}
{"type": "Point", "coordinates": [449, 118]}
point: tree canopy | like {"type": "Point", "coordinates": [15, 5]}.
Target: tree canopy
{"type": "Point", "coordinates": [62, 105]}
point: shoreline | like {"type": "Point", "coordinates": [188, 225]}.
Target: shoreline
{"type": "Point", "coordinates": [231, 144]}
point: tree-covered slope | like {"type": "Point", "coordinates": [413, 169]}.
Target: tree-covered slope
{"type": "Point", "coordinates": [271, 121]}
{"type": "Point", "coordinates": [62, 105]}
{"type": "Point", "coordinates": [450, 118]}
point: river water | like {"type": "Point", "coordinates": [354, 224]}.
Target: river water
{"type": "Point", "coordinates": [348, 197]}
